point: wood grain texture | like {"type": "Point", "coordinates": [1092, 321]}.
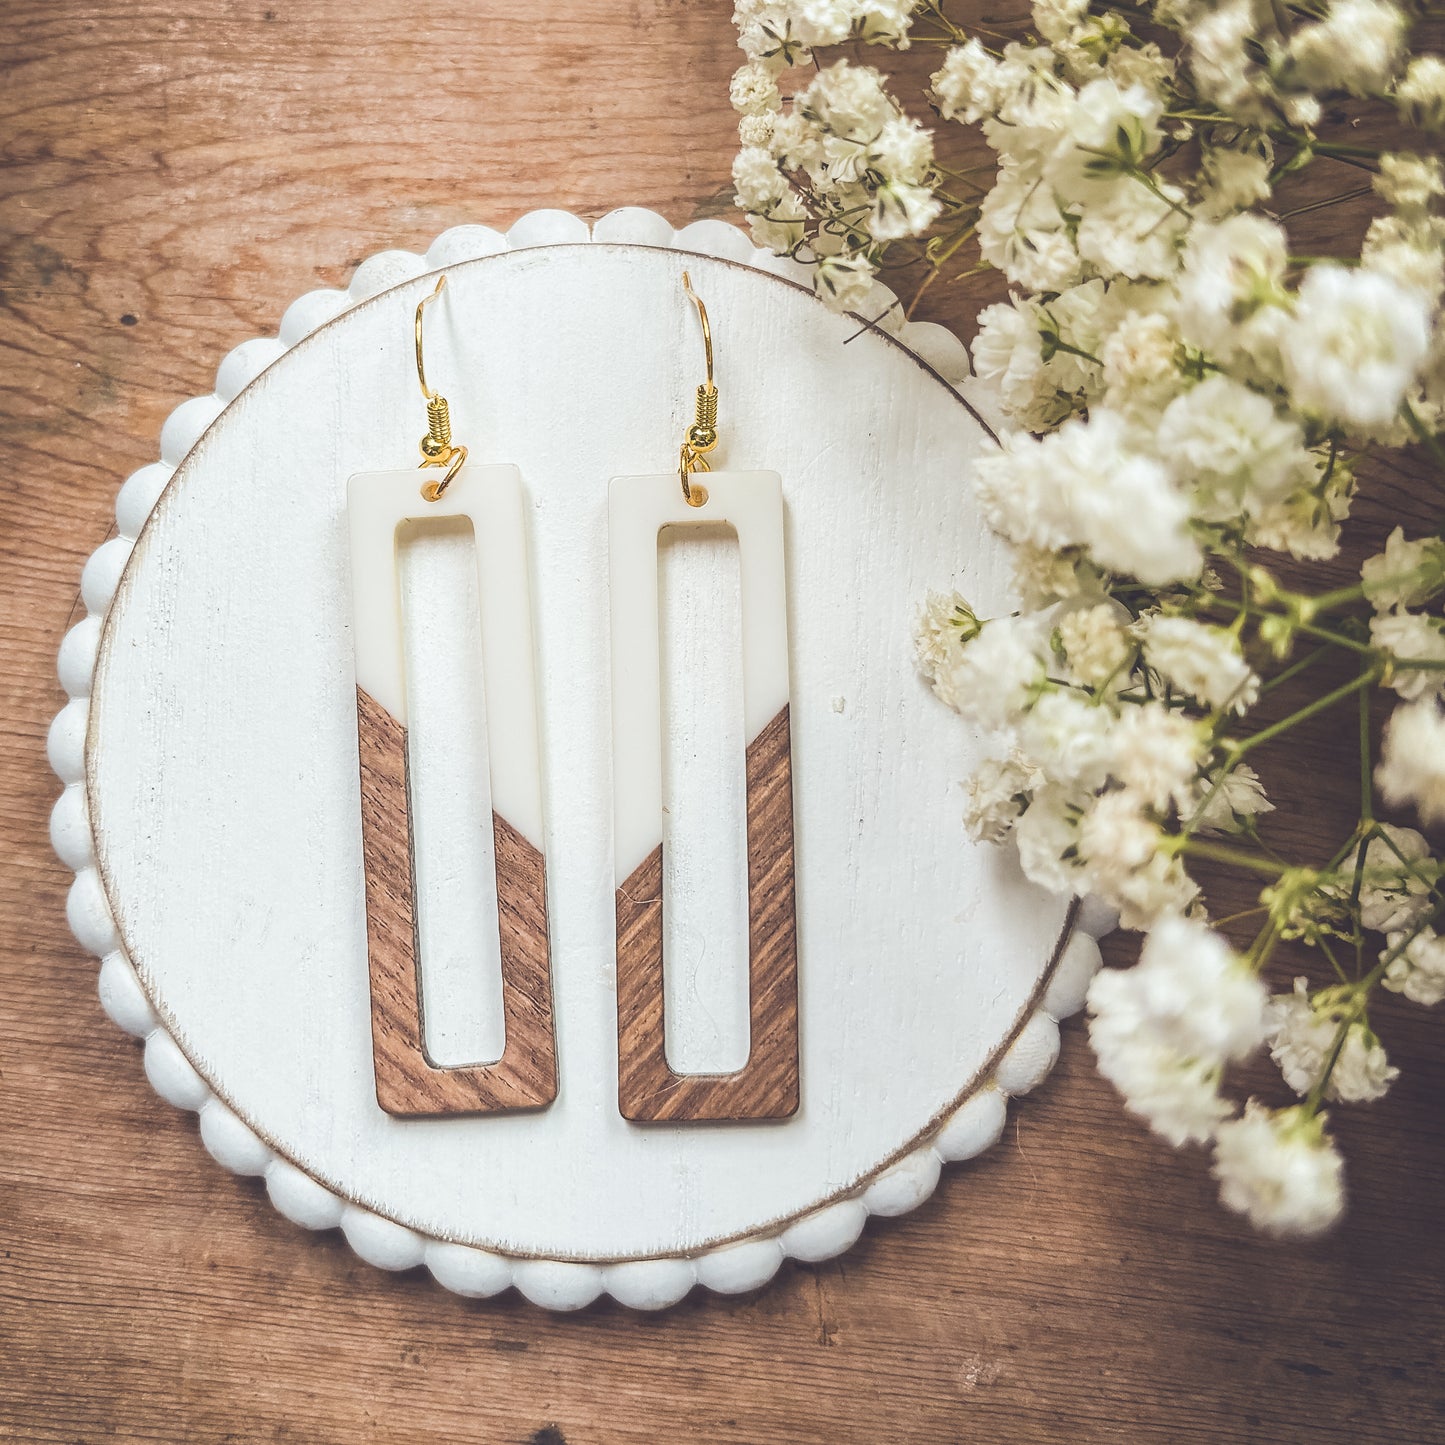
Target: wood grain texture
{"type": "Point", "coordinates": [766, 1087]}
{"type": "Point", "coordinates": [408, 1082]}
{"type": "Point", "coordinates": [170, 181]}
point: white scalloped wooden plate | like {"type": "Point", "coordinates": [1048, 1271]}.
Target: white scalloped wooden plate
{"type": "Point", "coordinates": [932, 975]}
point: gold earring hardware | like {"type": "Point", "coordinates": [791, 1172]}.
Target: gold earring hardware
{"type": "Point", "coordinates": [436, 446]}
{"type": "Point", "coordinates": [701, 436]}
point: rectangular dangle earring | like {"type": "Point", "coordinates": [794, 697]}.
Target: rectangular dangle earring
{"type": "Point", "coordinates": [767, 1086]}
{"type": "Point", "coordinates": [408, 1081]}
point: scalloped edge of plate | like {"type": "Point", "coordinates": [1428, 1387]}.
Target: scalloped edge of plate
{"type": "Point", "coordinates": [556, 1284]}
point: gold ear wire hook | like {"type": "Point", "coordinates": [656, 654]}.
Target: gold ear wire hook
{"type": "Point", "coordinates": [702, 435]}
{"type": "Point", "coordinates": [436, 446]}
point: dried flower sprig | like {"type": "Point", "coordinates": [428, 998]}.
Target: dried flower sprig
{"type": "Point", "coordinates": [1187, 399]}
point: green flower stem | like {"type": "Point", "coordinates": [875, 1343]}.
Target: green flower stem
{"type": "Point", "coordinates": [1264, 944]}
{"type": "Point", "coordinates": [1339, 152]}
{"type": "Point", "coordinates": [1356, 887]}
{"type": "Point", "coordinates": [1337, 639]}
{"type": "Point", "coordinates": [1319, 705]}
{"type": "Point", "coordinates": [1316, 1095]}
{"type": "Point", "coordinates": [1243, 913]}
{"type": "Point", "coordinates": [1296, 668]}
{"type": "Point", "coordinates": [1367, 792]}
{"type": "Point", "coordinates": [1219, 853]}
{"type": "Point", "coordinates": [1058, 344]}
{"type": "Point", "coordinates": [1329, 953]}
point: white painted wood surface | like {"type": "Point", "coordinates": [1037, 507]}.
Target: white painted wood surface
{"type": "Point", "coordinates": [220, 801]}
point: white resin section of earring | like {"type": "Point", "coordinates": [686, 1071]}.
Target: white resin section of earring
{"type": "Point", "coordinates": [638, 509]}
{"type": "Point", "coordinates": [492, 497]}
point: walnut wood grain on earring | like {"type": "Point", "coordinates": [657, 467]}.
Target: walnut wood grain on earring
{"type": "Point", "coordinates": [407, 1081]}
{"type": "Point", "coordinates": [766, 1087]}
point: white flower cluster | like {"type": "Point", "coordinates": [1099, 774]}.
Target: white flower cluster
{"type": "Point", "coordinates": [1091, 771]}
{"type": "Point", "coordinates": [1165, 1030]}
{"type": "Point", "coordinates": [1317, 1038]}
{"type": "Point", "coordinates": [838, 170]}
{"type": "Point", "coordinates": [1182, 393]}
{"type": "Point", "coordinates": [1400, 583]}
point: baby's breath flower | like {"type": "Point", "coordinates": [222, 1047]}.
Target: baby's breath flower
{"type": "Point", "coordinates": [1420, 93]}
{"type": "Point", "coordinates": [1156, 751]}
{"type": "Point", "coordinates": [1225, 805]}
{"type": "Point", "coordinates": [1178, 1097]}
{"type": "Point", "coordinates": [1145, 65]}
{"type": "Point", "coordinates": [1180, 386]}
{"type": "Point", "coordinates": [901, 208]}
{"type": "Point", "coordinates": [782, 228]}
{"type": "Point", "coordinates": [1094, 642]}
{"type": "Point", "coordinates": [997, 794]}
{"type": "Point", "coordinates": [1231, 289]}
{"type": "Point", "coordinates": [966, 88]}
{"type": "Point", "coordinates": [758, 130]}
{"type": "Point", "coordinates": [1409, 248]}
{"type": "Point", "coordinates": [758, 182]}
{"type": "Point", "coordinates": [1411, 636]}
{"type": "Point", "coordinates": [1160, 889]}
{"type": "Point", "coordinates": [754, 89]}
{"type": "Point", "coordinates": [1083, 484]}
{"type": "Point", "coordinates": [1047, 836]}
{"type": "Point", "coordinates": [1397, 879]}
{"type": "Point", "coordinates": [1280, 1169]}
{"type": "Point", "coordinates": [1409, 182]}
{"type": "Point", "coordinates": [1230, 443]}
{"type": "Point", "coordinates": [1304, 1040]}
{"type": "Point", "coordinates": [1412, 761]}
{"type": "Point", "coordinates": [1133, 231]}
{"type": "Point", "coordinates": [1069, 737]}
{"type": "Point", "coordinates": [1417, 965]}
{"type": "Point", "coordinates": [1354, 346]}
{"type": "Point", "coordinates": [1356, 47]}
{"type": "Point", "coordinates": [1023, 233]}
{"type": "Point", "coordinates": [1139, 360]}
{"type": "Point", "coordinates": [1306, 524]}
{"type": "Point", "coordinates": [1405, 574]}
{"type": "Point", "coordinates": [1189, 993]}
{"type": "Point", "coordinates": [1223, 48]}
{"type": "Point", "coordinates": [993, 675]}
{"type": "Point", "coordinates": [1202, 661]}
{"type": "Point", "coordinates": [945, 622]}
{"type": "Point", "coordinates": [1055, 20]}
{"type": "Point", "coordinates": [1233, 181]}
{"type": "Point", "coordinates": [844, 282]}
{"type": "Point", "coordinates": [1118, 837]}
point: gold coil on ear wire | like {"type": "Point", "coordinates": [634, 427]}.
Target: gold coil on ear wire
{"type": "Point", "coordinates": [438, 438]}
{"type": "Point", "coordinates": [702, 435]}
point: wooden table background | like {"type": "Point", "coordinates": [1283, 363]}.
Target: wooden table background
{"type": "Point", "coordinates": [174, 177]}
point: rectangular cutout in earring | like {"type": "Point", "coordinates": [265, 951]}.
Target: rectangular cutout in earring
{"type": "Point", "coordinates": [408, 1081]}
{"type": "Point", "coordinates": [767, 1086]}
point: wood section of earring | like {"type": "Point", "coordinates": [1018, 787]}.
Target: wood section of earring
{"type": "Point", "coordinates": [408, 1081]}
{"type": "Point", "coordinates": [768, 1085]}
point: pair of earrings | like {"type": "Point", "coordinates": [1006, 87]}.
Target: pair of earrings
{"type": "Point", "coordinates": [408, 1081]}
